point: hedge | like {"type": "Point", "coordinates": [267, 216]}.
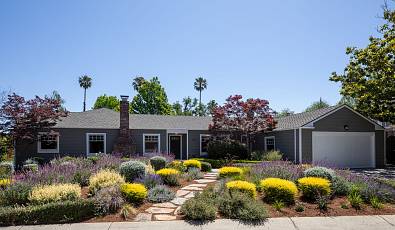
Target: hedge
{"type": "Point", "coordinates": [52, 213]}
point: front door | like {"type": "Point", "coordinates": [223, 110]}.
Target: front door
{"type": "Point", "coordinates": [175, 145]}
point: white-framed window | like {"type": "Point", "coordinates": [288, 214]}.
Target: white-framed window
{"type": "Point", "coordinates": [151, 143]}
{"type": "Point", "coordinates": [96, 143]}
{"type": "Point", "coordinates": [243, 139]}
{"type": "Point", "coordinates": [270, 143]}
{"type": "Point", "coordinates": [204, 140]}
{"type": "Point", "coordinates": [48, 143]}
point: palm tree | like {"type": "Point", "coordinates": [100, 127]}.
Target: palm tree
{"type": "Point", "coordinates": [85, 82]}
{"type": "Point", "coordinates": [200, 85]}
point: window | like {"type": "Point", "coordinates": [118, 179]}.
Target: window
{"type": "Point", "coordinates": [243, 139]}
{"type": "Point", "coordinates": [48, 143]}
{"type": "Point", "coordinates": [270, 143]}
{"type": "Point", "coordinates": [151, 143]}
{"type": "Point", "coordinates": [204, 140]}
{"type": "Point", "coordinates": [96, 143]}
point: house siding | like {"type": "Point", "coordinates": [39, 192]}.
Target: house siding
{"type": "Point", "coordinates": [194, 142]}
{"type": "Point", "coordinates": [284, 141]}
{"type": "Point", "coordinates": [137, 136]}
{"type": "Point", "coordinates": [72, 142]}
{"type": "Point", "coordinates": [307, 147]}
{"type": "Point", "coordinates": [380, 148]}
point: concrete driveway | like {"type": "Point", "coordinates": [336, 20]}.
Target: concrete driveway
{"type": "Point", "coordinates": [384, 222]}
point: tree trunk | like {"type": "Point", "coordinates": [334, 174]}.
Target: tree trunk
{"type": "Point", "coordinates": [84, 99]}
{"type": "Point", "coordinates": [200, 102]}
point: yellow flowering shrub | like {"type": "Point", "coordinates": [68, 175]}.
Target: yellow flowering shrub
{"type": "Point", "coordinates": [169, 176]}
{"type": "Point", "coordinates": [53, 193]}
{"type": "Point", "coordinates": [4, 183]}
{"type": "Point", "coordinates": [166, 172]}
{"type": "Point", "coordinates": [276, 189]}
{"type": "Point", "coordinates": [312, 186]}
{"type": "Point", "coordinates": [104, 178]}
{"type": "Point", "coordinates": [192, 164]}
{"type": "Point", "coordinates": [242, 186]}
{"type": "Point", "coordinates": [134, 193]}
{"type": "Point", "coordinates": [176, 165]}
{"type": "Point", "coordinates": [230, 171]}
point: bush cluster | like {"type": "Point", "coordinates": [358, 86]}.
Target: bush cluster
{"type": "Point", "coordinates": [6, 169]}
{"type": "Point", "coordinates": [158, 162]}
{"type": "Point", "coordinates": [178, 165]}
{"type": "Point", "coordinates": [243, 187]}
{"type": "Point", "coordinates": [230, 171]}
{"type": "Point", "coordinates": [311, 187]}
{"type": "Point", "coordinates": [321, 172]}
{"type": "Point", "coordinates": [54, 193]}
{"type": "Point", "coordinates": [132, 170]}
{"type": "Point", "coordinates": [200, 208]}
{"type": "Point", "coordinates": [227, 149]}
{"type": "Point", "coordinates": [160, 194]}
{"type": "Point", "coordinates": [206, 167]}
{"type": "Point", "coordinates": [51, 213]}
{"type": "Point", "coordinates": [150, 180]}
{"type": "Point", "coordinates": [169, 176]}
{"type": "Point", "coordinates": [104, 178]}
{"type": "Point", "coordinates": [15, 194]}
{"type": "Point", "coordinates": [134, 193]}
{"type": "Point", "coordinates": [108, 200]}
{"type": "Point", "coordinates": [192, 164]}
{"type": "Point", "coordinates": [193, 174]}
{"type": "Point", "coordinates": [276, 189]}
{"type": "Point", "coordinates": [340, 186]}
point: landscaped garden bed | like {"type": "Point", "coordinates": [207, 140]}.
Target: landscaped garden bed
{"type": "Point", "coordinates": [111, 188]}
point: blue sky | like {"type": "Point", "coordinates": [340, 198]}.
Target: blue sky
{"type": "Point", "coordinates": [283, 51]}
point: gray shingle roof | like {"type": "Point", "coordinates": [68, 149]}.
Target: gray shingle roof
{"type": "Point", "coordinates": [109, 119]}
{"type": "Point", "coordinates": [297, 120]}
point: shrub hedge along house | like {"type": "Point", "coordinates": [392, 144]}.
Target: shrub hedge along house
{"type": "Point", "coordinates": [337, 135]}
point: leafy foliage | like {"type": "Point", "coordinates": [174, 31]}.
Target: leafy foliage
{"type": "Point", "coordinates": [158, 162]}
{"type": "Point", "coordinates": [369, 77]}
{"type": "Point", "coordinates": [108, 200]}
{"type": "Point", "coordinates": [200, 208]}
{"type": "Point", "coordinates": [227, 150]}
{"type": "Point", "coordinates": [193, 174]}
{"type": "Point", "coordinates": [160, 194]}
{"type": "Point", "coordinates": [6, 169]}
{"type": "Point", "coordinates": [109, 102]}
{"type": "Point", "coordinates": [317, 105]}
{"type": "Point", "coordinates": [340, 186]}
{"type": "Point", "coordinates": [169, 176]}
{"type": "Point", "coordinates": [206, 167]}
{"type": "Point", "coordinates": [150, 180]}
{"type": "Point", "coordinates": [321, 172]}
{"type": "Point", "coordinates": [132, 170]}
{"type": "Point", "coordinates": [15, 194]}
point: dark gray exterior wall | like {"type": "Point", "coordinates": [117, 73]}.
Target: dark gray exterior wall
{"type": "Point", "coordinates": [307, 146]}
{"type": "Point", "coordinates": [72, 142]}
{"type": "Point", "coordinates": [284, 141]}
{"type": "Point", "coordinates": [380, 148]}
{"type": "Point", "coordinates": [137, 136]}
{"type": "Point", "coordinates": [194, 142]}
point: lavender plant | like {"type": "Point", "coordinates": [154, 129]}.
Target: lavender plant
{"type": "Point", "coordinates": [150, 180]}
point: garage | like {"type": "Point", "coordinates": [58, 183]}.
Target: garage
{"type": "Point", "coordinates": [344, 149]}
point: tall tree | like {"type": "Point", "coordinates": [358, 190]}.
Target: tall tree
{"type": "Point", "coordinates": [347, 100]}
{"type": "Point", "coordinates": [137, 82]}
{"type": "Point", "coordinates": [56, 96]}
{"type": "Point", "coordinates": [369, 77]}
{"type": "Point", "coordinates": [109, 102]}
{"type": "Point", "coordinates": [85, 83]}
{"type": "Point", "coordinates": [285, 112]}
{"type": "Point", "coordinates": [200, 85]}
{"type": "Point", "coordinates": [151, 98]}
{"type": "Point", "coordinates": [317, 105]}
{"type": "Point", "coordinates": [248, 117]}
{"type": "Point", "coordinates": [211, 105]}
{"type": "Point", "coordinates": [177, 107]}
{"type": "Point", "coordinates": [23, 119]}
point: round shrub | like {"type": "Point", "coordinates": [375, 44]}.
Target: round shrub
{"type": "Point", "coordinates": [158, 162]}
{"type": "Point", "coordinates": [132, 170]}
{"type": "Point", "coordinates": [160, 194]}
{"type": "Point", "coordinates": [6, 169]}
{"type": "Point", "coordinates": [230, 171]}
{"type": "Point", "coordinates": [108, 200]}
{"type": "Point", "coordinates": [192, 164]}
{"type": "Point", "coordinates": [193, 174]}
{"type": "Point", "coordinates": [242, 186]}
{"type": "Point", "coordinates": [227, 149]}
{"type": "Point", "coordinates": [206, 167]}
{"type": "Point", "coordinates": [54, 193]}
{"type": "Point", "coordinates": [169, 176]}
{"type": "Point", "coordinates": [340, 186]}
{"type": "Point", "coordinates": [321, 172]}
{"type": "Point", "coordinates": [311, 187]}
{"type": "Point", "coordinates": [200, 208]}
{"type": "Point", "coordinates": [134, 193]}
{"type": "Point", "coordinates": [276, 189]}
{"type": "Point", "coordinates": [4, 183]}
{"type": "Point", "coordinates": [104, 178]}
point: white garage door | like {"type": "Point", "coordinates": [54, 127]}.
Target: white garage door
{"type": "Point", "coordinates": [344, 149]}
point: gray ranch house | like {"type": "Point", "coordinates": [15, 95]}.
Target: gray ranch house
{"type": "Point", "coordinates": [337, 135]}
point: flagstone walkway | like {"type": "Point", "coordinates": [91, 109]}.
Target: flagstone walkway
{"type": "Point", "coordinates": [170, 210]}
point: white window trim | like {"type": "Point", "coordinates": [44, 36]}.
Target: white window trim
{"type": "Point", "coordinates": [39, 150]}
{"type": "Point", "coordinates": [169, 142]}
{"type": "Point", "coordinates": [274, 140]}
{"type": "Point", "coordinates": [87, 142]}
{"type": "Point", "coordinates": [200, 143]}
{"type": "Point", "coordinates": [151, 134]}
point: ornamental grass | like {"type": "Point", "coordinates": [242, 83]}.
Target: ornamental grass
{"type": "Point", "coordinates": [242, 186]}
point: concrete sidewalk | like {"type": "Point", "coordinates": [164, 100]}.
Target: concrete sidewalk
{"type": "Point", "coordinates": [382, 222]}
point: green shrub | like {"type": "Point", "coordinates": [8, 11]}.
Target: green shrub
{"type": "Point", "coordinates": [15, 194]}
{"type": "Point", "coordinates": [52, 213]}
{"type": "Point", "coordinates": [178, 165]}
{"type": "Point", "coordinates": [375, 203]}
{"type": "Point", "coordinates": [272, 156]}
{"type": "Point", "coordinates": [321, 172]}
{"type": "Point", "coordinates": [93, 159]}
{"type": "Point", "coordinates": [30, 167]}
{"type": "Point", "coordinates": [132, 170]}
{"type": "Point", "coordinates": [278, 205]}
{"type": "Point", "coordinates": [206, 167]}
{"type": "Point", "coordinates": [200, 208]}
{"type": "Point", "coordinates": [227, 149]}
{"type": "Point", "coordinates": [6, 169]}
{"type": "Point", "coordinates": [322, 202]}
{"type": "Point", "coordinates": [299, 208]}
{"type": "Point", "coordinates": [354, 197]}
{"type": "Point", "coordinates": [242, 207]}
{"type": "Point", "coordinates": [108, 200]}
{"type": "Point", "coordinates": [158, 162]}
{"type": "Point", "coordinates": [134, 193]}
{"type": "Point", "coordinates": [340, 186]}
{"type": "Point", "coordinates": [160, 194]}
{"type": "Point", "coordinates": [169, 176]}
{"type": "Point", "coordinates": [215, 163]}
{"type": "Point", "coordinates": [193, 174]}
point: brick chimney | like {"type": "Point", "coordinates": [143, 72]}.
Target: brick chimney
{"type": "Point", "coordinates": [124, 144]}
